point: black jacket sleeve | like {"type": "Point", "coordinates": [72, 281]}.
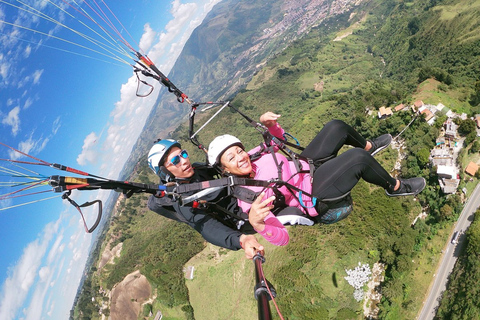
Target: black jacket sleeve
{"type": "Point", "coordinates": [211, 229]}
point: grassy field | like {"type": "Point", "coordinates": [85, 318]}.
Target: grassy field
{"type": "Point", "coordinates": [430, 93]}
{"type": "Point", "coordinates": [224, 282]}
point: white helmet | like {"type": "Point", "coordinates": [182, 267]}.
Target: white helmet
{"type": "Point", "coordinates": [158, 152]}
{"type": "Point", "coordinates": [218, 146]}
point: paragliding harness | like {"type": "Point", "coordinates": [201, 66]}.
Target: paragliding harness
{"type": "Point", "coordinates": [329, 210]}
{"type": "Point", "coordinates": [145, 66]}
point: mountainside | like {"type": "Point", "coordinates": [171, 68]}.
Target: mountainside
{"type": "Point", "coordinates": [238, 37]}
{"type": "Point", "coordinates": [234, 41]}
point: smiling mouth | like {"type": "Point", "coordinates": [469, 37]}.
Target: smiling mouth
{"type": "Point", "coordinates": [244, 165]}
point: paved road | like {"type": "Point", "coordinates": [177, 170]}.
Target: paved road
{"type": "Point", "coordinates": [450, 256]}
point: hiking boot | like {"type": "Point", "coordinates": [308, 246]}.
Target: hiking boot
{"type": "Point", "coordinates": [380, 143]}
{"type": "Point", "coordinates": [412, 186]}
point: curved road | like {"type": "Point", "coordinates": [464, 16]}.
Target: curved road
{"type": "Point", "coordinates": [450, 256]}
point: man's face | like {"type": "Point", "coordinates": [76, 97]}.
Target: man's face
{"type": "Point", "coordinates": [183, 169]}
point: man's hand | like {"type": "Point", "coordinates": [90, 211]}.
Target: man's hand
{"type": "Point", "coordinates": [259, 211]}
{"type": "Point", "coordinates": [269, 119]}
{"type": "Point", "coordinates": [251, 246]}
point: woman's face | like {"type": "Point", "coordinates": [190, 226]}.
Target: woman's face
{"type": "Point", "coordinates": [236, 161]}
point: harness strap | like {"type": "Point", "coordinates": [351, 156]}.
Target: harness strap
{"type": "Point", "coordinates": [224, 211]}
{"type": "Point", "coordinates": [278, 165]}
{"type": "Point", "coordinates": [311, 166]}
{"type": "Point", "coordinates": [258, 154]}
{"type": "Point", "coordinates": [222, 182]}
{"type": "Point", "coordinates": [244, 194]}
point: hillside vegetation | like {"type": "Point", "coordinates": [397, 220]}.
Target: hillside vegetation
{"type": "Point", "coordinates": [381, 54]}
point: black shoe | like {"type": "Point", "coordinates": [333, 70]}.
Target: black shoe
{"type": "Point", "coordinates": [380, 143]}
{"type": "Point", "coordinates": [412, 186]}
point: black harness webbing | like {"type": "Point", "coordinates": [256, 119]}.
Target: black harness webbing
{"type": "Point", "coordinates": [233, 181]}
{"type": "Point", "coordinates": [227, 182]}
{"type": "Point", "coordinates": [215, 207]}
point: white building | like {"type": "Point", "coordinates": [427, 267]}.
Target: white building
{"type": "Point", "coordinates": [447, 172]}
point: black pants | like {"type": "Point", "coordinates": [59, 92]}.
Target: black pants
{"type": "Point", "coordinates": [339, 174]}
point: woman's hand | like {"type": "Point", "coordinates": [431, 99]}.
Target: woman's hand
{"type": "Point", "coordinates": [269, 119]}
{"type": "Point", "coordinates": [259, 211]}
{"type": "Point", "coordinates": [251, 245]}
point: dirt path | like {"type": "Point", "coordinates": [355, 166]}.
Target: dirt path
{"type": "Point", "coordinates": [373, 297]}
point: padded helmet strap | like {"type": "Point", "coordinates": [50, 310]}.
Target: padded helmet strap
{"type": "Point", "coordinates": [165, 175]}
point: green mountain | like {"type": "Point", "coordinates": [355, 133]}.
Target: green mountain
{"type": "Point", "coordinates": [377, 53]}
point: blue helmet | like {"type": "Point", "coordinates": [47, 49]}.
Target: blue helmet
{"type": "Point", "coordinates": [157, 154]}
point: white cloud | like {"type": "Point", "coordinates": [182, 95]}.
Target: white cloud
{"type": "Point", "coordinates": [4, 67]}
{"type": "Point", "coordinates": [129, 118]}
{"type": "Point", "coordinates": [56, 125]}
{"type": "Point", "coordinates": [33, 146]}
{"type": "Point", "coordinates": [147, 38]}
{"type": "Point", "coordinates": [89, 154]}
{"type": "Point", "coordinates": [29, 146]}
{"type": "Point", "coordinates": [182, 15]}
{"type": "Point", "coordinates": [27, 52]}
{"type": "Point", "coordinates": [55, 249]}
{"type": "Point", "coordinates": [36, 76]}
{"type": "Point", "coordinates": [54, 288]}
{"type": "Point", "coordinates": [24, 146]}
{"type": "Point", "coordinates": [17, 286]}
{"type": "Point", "coordinates": [209, 5]}
{"type": "Point", "coordinates": [43, 143]}
{"type": "Point", "coordinates": [27, 103]}
{"type": "Point", "coordinates": [13, 120]}
{"type": "Point", "coordinates": [2, 16]}
{"type": "Point", "coordinates": [50, 311]}
{"type": "Point", "coordinates": [44, 273]}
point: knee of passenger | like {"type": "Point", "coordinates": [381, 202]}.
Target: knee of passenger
{"type": "Point", "coordinates": [359, 154]}
{"type": "Point", "coordinates": [336, 124]}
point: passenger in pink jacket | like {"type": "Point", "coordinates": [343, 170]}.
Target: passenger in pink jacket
{"type": "Point", "coordinates": [333, 179]}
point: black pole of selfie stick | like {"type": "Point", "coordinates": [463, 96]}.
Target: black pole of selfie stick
{"type": "Point", "coordinates": [261, 290]}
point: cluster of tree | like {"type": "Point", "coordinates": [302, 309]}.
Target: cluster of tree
{"type": "Point", "coordinates": [416, 40]}
{"type": "Point", "coordinates": [467, 128]}
{"type": "Point", "coordinates": [87, 308]}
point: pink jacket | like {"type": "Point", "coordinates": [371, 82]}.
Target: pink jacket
{"type": "Point", "coordinates": [265, 169]}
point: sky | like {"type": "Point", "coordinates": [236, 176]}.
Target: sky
{"type": "Point", "coordinates": [69, 100]}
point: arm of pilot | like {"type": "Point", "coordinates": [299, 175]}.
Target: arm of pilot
{"type": "Point", "coordinates": [211, 229]}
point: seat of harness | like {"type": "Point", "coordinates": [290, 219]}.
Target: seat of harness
{"type": "Point", "coordinates": [335, 210]}
{"type": "Point", "coordinates": [294, 216]}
